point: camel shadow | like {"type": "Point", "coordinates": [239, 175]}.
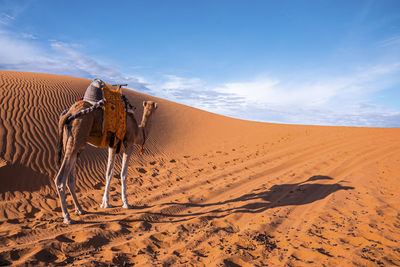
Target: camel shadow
{"type": "Point", "coordinates": [276, 196]}
{"type": "Point", "coordinates": [291, 194]}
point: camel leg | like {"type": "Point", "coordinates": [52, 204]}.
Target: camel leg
{"type": "Point", "coordinates": [124, 172]}
{"type": "Point", "coordinates": [60, 181]}
{"type": "Point", "coordinates": [71, 186]}
{"type": "Point", "coordinates": [109, 175]}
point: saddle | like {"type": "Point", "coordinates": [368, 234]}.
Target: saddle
{"type": "Point", "coordinates": [109, 132]}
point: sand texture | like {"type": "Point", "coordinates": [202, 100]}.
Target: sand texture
{"type": "Point", "coordinates": [209, 190]}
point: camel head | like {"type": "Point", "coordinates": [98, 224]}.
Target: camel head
{"type": "Point", "coordinates": [150, 104]}
{"type": "Point", "coordinates": [149, 108]}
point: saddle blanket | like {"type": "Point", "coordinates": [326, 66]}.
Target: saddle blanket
{"type": "Point", "coordinates": [114, 116]}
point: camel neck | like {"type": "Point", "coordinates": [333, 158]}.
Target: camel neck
{"type": "Point", "coordinates": [143, 127]}
{"type": "Point", "coordinates": [145, 119]}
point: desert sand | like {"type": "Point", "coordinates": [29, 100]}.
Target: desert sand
{"type": "Point", "coordinates": [209, 190]}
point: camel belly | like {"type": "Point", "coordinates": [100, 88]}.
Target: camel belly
{"type": "Point", "coordinates": [95, 141]}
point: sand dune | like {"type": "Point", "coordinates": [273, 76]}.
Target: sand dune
{"type": "Point", "coordinates": [209, 190]}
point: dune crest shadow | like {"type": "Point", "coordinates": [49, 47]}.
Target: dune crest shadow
{"type": "Point", "coordinates": [17, 177]}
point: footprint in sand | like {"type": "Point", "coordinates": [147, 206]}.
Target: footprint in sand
{"type": "Point", "coordinates": [141, 170]}
{"type": "Point", "coordinates": [155, 172]}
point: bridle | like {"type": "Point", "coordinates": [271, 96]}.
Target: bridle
{"type": "Point", "coordinates": [141, 150]}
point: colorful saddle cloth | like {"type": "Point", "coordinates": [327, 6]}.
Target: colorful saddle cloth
{"type": "Point", "coordinates": [114, 117]}
{"type": "Point", "coordinates": [111, 130]}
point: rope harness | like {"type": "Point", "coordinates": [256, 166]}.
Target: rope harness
{"type": "Point", "coordinates": [80, 113]}
{"type": "Point", "coordinates": [141, 150]}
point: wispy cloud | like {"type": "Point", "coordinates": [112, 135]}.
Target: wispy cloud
{"type": "Point", "coordinates": [25, 35]}
{"type": "Point", "coordinates": [337, 100]}
{"type": "Point", "coordinates": [315, 92]}
{"type": "Point", "coordinates": [10, 10]}
{"type": "Point", "coordinates": [5, 18]}
{"type": "Point", "coordinates": [330, 100]}
{"type": "Point", "coordinates": [20, 53]}
{"type": "Point", "coordinates": [390, 42]}
{"type": "Point", "coordinates": [357, 115]}
{"type": "Point", "coordinates": [196, 93]}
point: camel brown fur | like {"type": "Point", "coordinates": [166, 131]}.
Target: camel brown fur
{"type": "Point", "coordinates": [73, 137]}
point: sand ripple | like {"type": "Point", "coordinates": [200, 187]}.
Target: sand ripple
{"type": "Point", "coordinates": [209, 190]}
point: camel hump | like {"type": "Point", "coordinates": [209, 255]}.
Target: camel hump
{"type": "Point", "coordinates": [94, 92]}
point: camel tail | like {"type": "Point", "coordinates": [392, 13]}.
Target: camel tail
{"type": "Point", "coordinates": [61, 124]}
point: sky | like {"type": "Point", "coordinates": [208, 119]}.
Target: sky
{"type": "Point", "coordinates": [315, 62]}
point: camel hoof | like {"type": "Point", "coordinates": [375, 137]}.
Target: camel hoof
{"type": "Point", "coordinates": [69, 221]}
{"type": "Point", "coordinates": [127, 206]}
{"type": "Point", "coordinates": [106, 206]}
{"type": "Point", "coordinates": [80, 212]}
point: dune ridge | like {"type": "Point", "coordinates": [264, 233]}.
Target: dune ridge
{"type": "Point", "coordinates": [209, 190]}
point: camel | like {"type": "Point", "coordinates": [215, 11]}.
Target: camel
{"type": "Point", "coordinates": [73, 136]}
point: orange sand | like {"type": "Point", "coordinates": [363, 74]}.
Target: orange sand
{"type": "Point", "coordinates": [209, 190]}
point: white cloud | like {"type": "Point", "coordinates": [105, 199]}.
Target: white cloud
{"type": "Point", "coordinates": [25, 35]}
{"type": "Point", "coordinates": [23, 53]}
{"type": "Point", "coordinates": [335, 100]}
{"type": "Point", "coordinates": [170, 85]}
{"type": "Point", "coordinates": [6, 18]}
{"type": "Point", "coordinates": [340, 100]}
{"type": "Point", "coordinates": [173, 82]}
{"type": "Point", "coordinates": [320, 91]}
{"type": "Point", "coordinates": [16, 53]}
{"type": "Point", "coordinates": [392, 41]}
{"type": "Point", "coordinates": [358, 115]}
{"type": "Point", "coordinates": [258, 91]}
{"type": "Point", "coordinates": [194, 92]}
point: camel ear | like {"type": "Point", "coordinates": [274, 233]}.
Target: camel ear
{"type": "Point", "coordinates": [144, 103]}
{"type": "Point", "coordinates": [155, 105]}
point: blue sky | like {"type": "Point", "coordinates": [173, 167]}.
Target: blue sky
{"type": "Point", "coordinates": [303, 62]}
